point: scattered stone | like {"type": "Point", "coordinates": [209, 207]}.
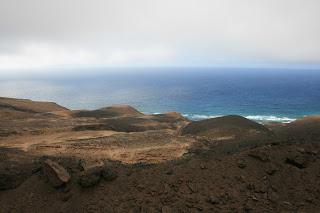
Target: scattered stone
{"type": "Point", "coordinates": [192, 187]}
{"type": "Point", "coordinates": [86, 165]}
{"type": "Point", "coordinates": [260, 187]}
{"type": "Point", "coordinates": [272, 169]}
{"type": "Point", "coordinates": [309, 200]}
{"type": "Point", "coordinates": [312, 152]}
{"type": "Point", "coordinates": [169, 172]}
{"type": "Point", "coordinates": [203, 166]}
{"type": "Point", "coordinates": [298, 161]}
{"type": "Point", "coordinates": [140, 187]}
{"type": "Point", "coordinates": [240, 178]}
{"type": "Point", "coordinates": [250, 186]}
{"type": "Point", "coordinates": [273, 196]}
{"type": "Point", "coordinates": [259, 155]}
{"type": "Point", "coordinates": [241, 164]}
{"type": "Point", "coordinates": [55, 173]}
{"type": "Point", "coordinates": [108, 174]}
{"type": "Point", "coordinates": [213, 200]}
{"type": "Point", "coordinates": [301, 150]}
{"type": "Point", "coordinates": [92, 173]}
{"type": "Point", "coordinates": [287, 203]}
{"type": "Point", "coordinates": [254, 198]}
{"type": "Point", "coordinates": [225, 197]}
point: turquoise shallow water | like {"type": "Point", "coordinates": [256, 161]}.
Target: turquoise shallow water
{"type": "Point", "coordinates": [198, 93]}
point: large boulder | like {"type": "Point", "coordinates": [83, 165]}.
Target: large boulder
{"type": "Point", "coordinates": [93, 171]}
{"type": "Point", "coordinates": [55, 173]}
{"type": "Point", "coordinates": [89, 178]}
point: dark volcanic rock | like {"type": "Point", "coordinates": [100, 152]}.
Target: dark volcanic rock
{"type": "Point", "coordinates": [89, 178]}
{"type": "Point", "coordinates": [213, 200]}
{"type": "Point", "coordinates": [108, 174]}
{"type": "Point", "coordinates": [259, 155]}
{"type": "Point", "coordinates": [271, 169]}
{"type": "Point", "coordinates": [241, 164]}
{"type": "Point", "coordinates": [221, 187]}
{"type": "Point", "coordinates": [93, 172]}
{"type": "Point", "coordinates": [298, 161]}
{"type": "Point", "coordinates": [91, 165]}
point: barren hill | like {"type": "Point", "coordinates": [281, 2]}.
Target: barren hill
{"type": "Point", "coordinates": [304, 129]}
{"type": "Point", "coordinates": [25, 105]}
{"type": "Point", "coordinates": [225, 127]}
{"type": "Point", "coordinates": [116, 159]}
{"type": "Point", "coordinates": [107, 112]}
{"type": "Point", "coordinates": [11, 108]}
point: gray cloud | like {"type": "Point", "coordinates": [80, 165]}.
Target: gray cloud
{"type": "Point", "coordinates": [166, 32]}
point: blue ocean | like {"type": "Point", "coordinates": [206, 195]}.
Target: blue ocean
{"type": "Point", "coordinates": [281, 95]}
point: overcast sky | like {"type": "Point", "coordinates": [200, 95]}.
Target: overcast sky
{"type": "Point", "coordinates": [46, 33]}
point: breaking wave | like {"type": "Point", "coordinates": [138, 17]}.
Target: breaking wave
{"type": "Point", "coordinates": [270, 118]}
{"type": "Point", "coordinates": [197, 117]}
{"type": "Point", "coordinates": [258, 118]}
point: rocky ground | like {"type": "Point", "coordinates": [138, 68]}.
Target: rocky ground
{"type": "Point", "coordinates": [117, 159]}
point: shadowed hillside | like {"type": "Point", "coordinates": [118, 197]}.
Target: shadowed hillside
{"type": "Point", "coordinates": [226, 127]}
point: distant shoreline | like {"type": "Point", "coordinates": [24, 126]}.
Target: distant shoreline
{"type": "Point", "coordinates": [263, 119]}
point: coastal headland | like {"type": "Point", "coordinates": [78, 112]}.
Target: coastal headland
{"type": "Point", "coordinates": [117, 159]}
